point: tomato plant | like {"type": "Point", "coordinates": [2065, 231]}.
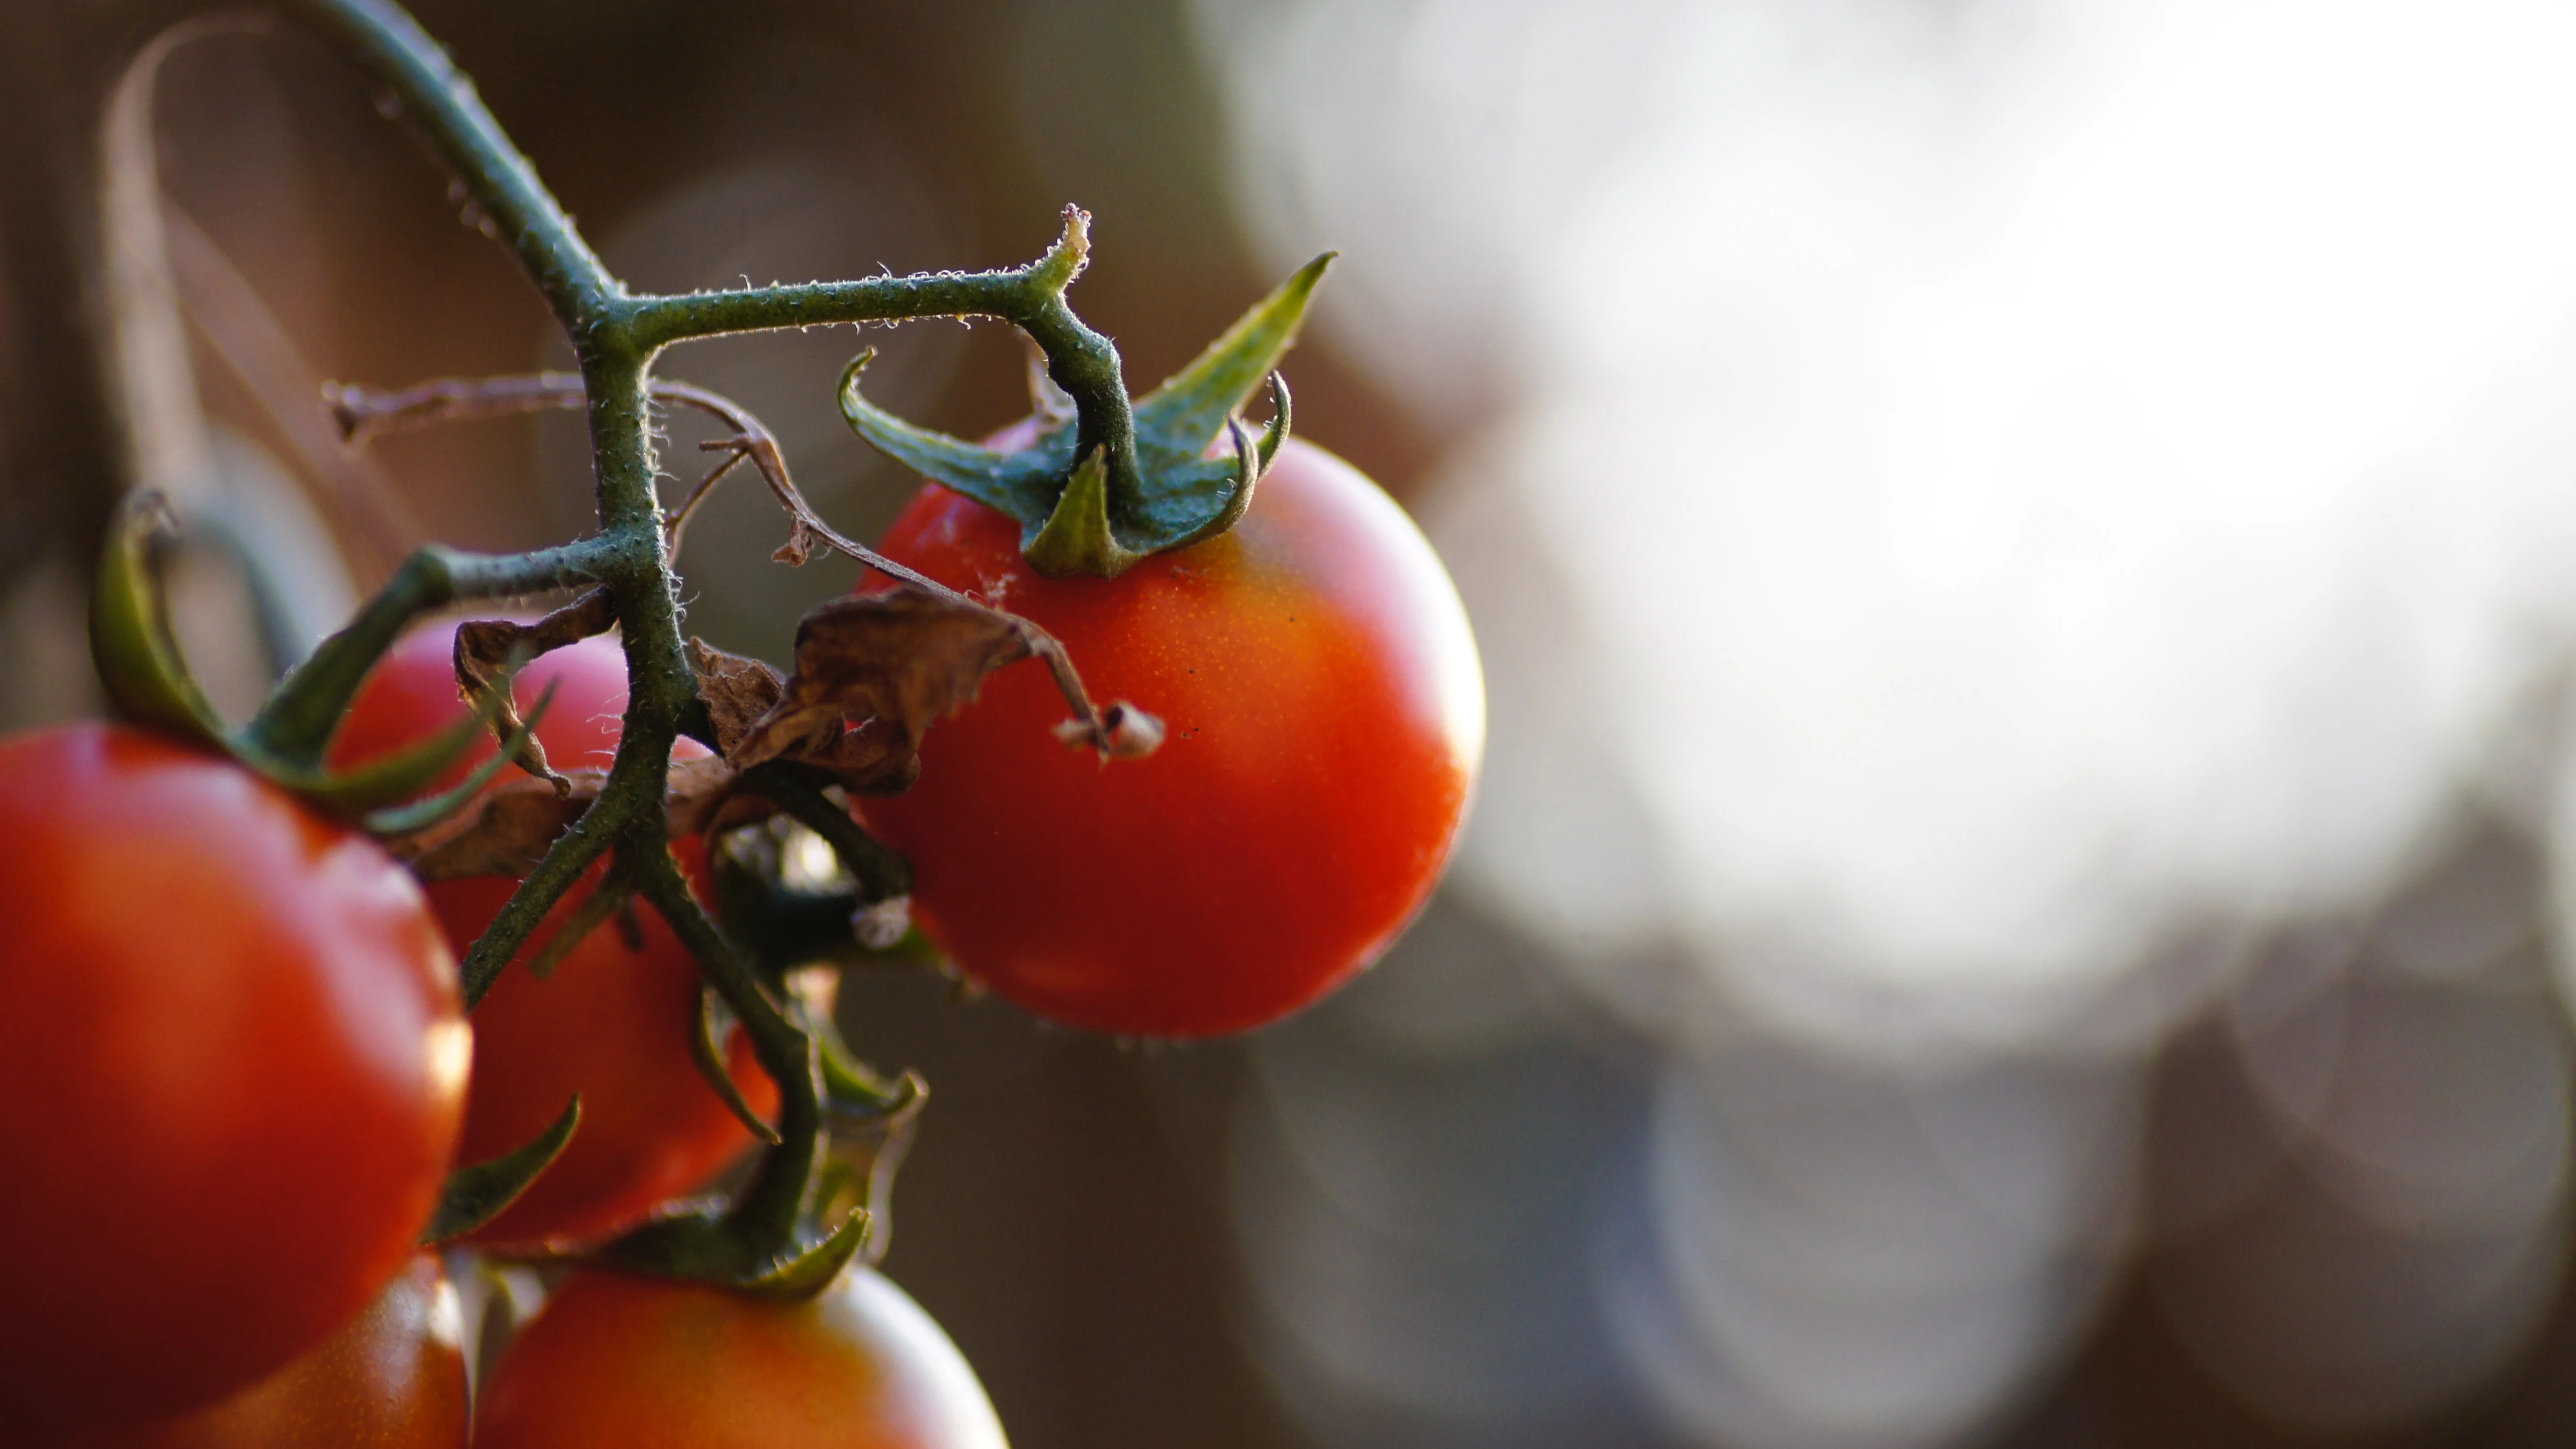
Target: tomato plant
{"type": "Point", "coordinates": [611, 1021]}
{"type": "Point", "coordinates": [1324, 716]}
{"type": "Point", "coordinates": [639, 1363]}
{"type": "Point", "coordinates": [391, 1378]}
{"type": "Point", "coordinates": [234, 1066]}
{"type": "Point", "coordinates": [233, 1069]}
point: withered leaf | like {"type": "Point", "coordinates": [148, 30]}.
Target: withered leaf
{"type": "Point", "coordinates": [484, 646]}
{"type": "Point", "coordinates": [737, 691]}
{"type": "Point", "coordinates": [872, 673]}
{"type": "Point", "coordinates": [506, 830]}
{"type": "Point", "coordinates": [486, 649]}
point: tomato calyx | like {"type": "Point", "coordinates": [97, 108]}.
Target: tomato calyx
{"type": "Point", "coordinates": [147, 678]}
{"type": "Point", "coordinates": [808, 1214]}
{"type": "Point", "coordinates": [1088, 506]}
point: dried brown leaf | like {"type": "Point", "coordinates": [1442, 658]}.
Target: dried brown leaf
{"type": "Point", "coordinates": [507, 829]}
{"type": "Point", "coordinates": [737, 691]}
{"type": "Point", "coordinates": [486, 649]}
{"type": "Point", "coordinates": [872, 673]}
{"type": "Point", "coordinates": [504, 832]}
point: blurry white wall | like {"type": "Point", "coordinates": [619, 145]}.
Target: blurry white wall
{"type": "Point", "coordinates": [1995, 525]}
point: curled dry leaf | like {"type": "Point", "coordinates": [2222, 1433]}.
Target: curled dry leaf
{"type": "Point", "coordinates": [1124, 733]}
{"type": "Point", "coordinates": [737, 692]}
{"type": "Point", "coordinates": [504, 832]}
{"type": "Point", "coordinates": [507, 830]}
{"type": "Point", "coordinates": [872, 673]}
{"type": "Point", "coordinates": [488, 649]}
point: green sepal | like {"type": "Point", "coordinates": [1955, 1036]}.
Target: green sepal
{"type": "Point", "coordinates": [808, 1273]}
{"type": "Point", "coordinates": [138, 659]}
{"type": "Point", "coordinates": [1177, 421]}
{"type": "Point", "coordinates": [147, 679]}
{"type": "Point", "coordinates": [1077, 538]}
{"type": "Point", "coordinates": [477, 1194]}
{"type": "Point", "coordinates": [707, 1048]}
{"type": "Point", "coordinates": [364, 793]}
{"type": "Point", "coordinates": [853, 1094]}
{"type": "Point", "coordinates": [692, 1241]}
{"type": "Point", "coordinates": [1083, 517]}
{"type": "Point", "coordinates": [403, 774]}
{"type": "Point", "coordinates": [1023, 484]}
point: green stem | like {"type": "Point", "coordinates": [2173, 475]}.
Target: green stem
{"type": "Point", "coordinates": [561, 866]}
{"type": "Point", "coordinates": [881, 871]}
{"type": "Point", "coordinates": [423, 86]}
{"type": "Point", "coordinates": [1082, 361]}
{"type": "Point", "coordinates": [295, 724]}
{"type": "Point", "coordinates": [769, 1215]}
{"type": "Point", "coordinates": [656, 322]}
{"type": "Point", "coordinates": [616, 337]}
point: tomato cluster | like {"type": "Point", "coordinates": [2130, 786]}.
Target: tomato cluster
{"type": "Point", "coordinates": [612, 1019]}
{"type": "Point", "coordinates": [248, 1130]}
{"type": "Point", "coordinates": [235, 1049]}
{"type": "Point", "coordinates": [235, 1052]}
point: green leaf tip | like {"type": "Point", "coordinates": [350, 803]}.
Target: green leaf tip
{"type": "Point", "coordinates": [707, 1042]}
{"type": "Point", "coordinates": [1076, 537]}
{"type": "Point", "coordinates": [695, 1241]}
{"type": "Point", "coordinates": [1023, 484]}
{"type": "Point", "coordinates": [808, 1273]}
{"type": "Point", "coordinates": [477, 1194]}
{"type": "Point", "coordinates": [1082, 516]}
{"type": "Point", "coordinates": [147, 679]}
{"type": "Point", "coordinates": [1177, 421]}
{"type": "Point", "coordinates": [138, 658]}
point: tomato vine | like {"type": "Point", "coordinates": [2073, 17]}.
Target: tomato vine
{"type": "Point", "coordinates": [1095, 489]}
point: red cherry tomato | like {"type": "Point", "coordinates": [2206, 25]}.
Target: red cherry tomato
{"type": "Point", "coordinates": [611, 1021]}
{"type": "Point", "coordinates": [640, 1363]}
{"type": "Point", "coordinates": [231, 1069]}
{"type": "Point", "coordinates": [391, 1378]}
{"type": "Point", "coordinates": [1325, 712]}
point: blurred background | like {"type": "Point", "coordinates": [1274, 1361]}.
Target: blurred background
{"type": "Point", "coordinates": [2023, 556]}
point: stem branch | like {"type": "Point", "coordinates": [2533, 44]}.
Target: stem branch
{"type": "Point", "coordinates": [423, 86]}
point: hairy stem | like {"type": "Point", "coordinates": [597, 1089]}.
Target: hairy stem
{"type": "Point", "coordinates": [296, 723]}
{"type": "Point", "coordinates": [616, 336]}
{"type": "Point", "coordinates": [770, 1213]}
{"type": "Point", "coordinates": [1081, 361]}
{"type": "Point", "coordinates": [422, 86]}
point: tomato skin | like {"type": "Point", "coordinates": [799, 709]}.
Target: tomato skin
{"type": "Point", "coordinates": [610, 1022]}
{"type": "Point", "coordinates": [232, 1068]}
{"type": "Point", "coordinates": [391, 1378]}
{"type": "Point", "coordinates": [640, 1363]}
{"type": "Point", "coordinates": [1314, 669]}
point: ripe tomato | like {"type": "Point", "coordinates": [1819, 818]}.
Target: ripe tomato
{"type": "Point", "coordinates": [231, 1070]}
{"type": "Point", "coordinates": [611, 1022]}
{"type": "Point", "coordinates": [1325, 712]}
{"type": "Point", "coordinates": [642, 1363]}
{"type": "Point", "coordinates": [391, 1378]}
